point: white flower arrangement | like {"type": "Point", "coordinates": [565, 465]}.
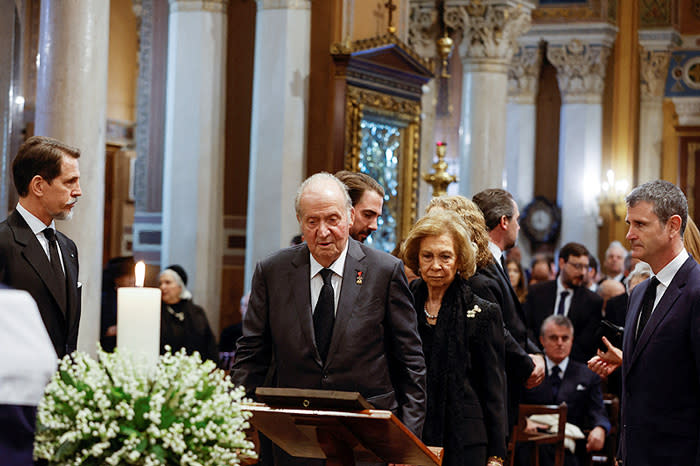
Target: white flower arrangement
{"type": "Point", "coordinates": [119, 410]}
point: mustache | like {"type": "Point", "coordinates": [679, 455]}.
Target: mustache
{"type": "Point", "coordinates": [73, 201]}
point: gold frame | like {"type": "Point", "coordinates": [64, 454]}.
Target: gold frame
{"type": "Point", "coordinates": [405, 114]}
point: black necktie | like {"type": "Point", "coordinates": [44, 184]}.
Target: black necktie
{"type": "Point", "coordinates": [555, 381]}
{"type": "Point", "coordinates": [324, 314]}
{"type": "Point", "coordinates": [56, 269]}
{"type": "Point", "coordinates": [562, 302]}
{"type": "Point", "coordinates": [647, 304]}
{"type": "Point", "coordinates": [503, 263]}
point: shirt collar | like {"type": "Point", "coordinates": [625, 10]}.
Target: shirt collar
{"type": "Point", "coordinates": [496, 252]}
{"type": "Point", "coordinates": [36, 225]}
{"type": "Point", "coordinates": [337, 267]}
{"type": "Point", "coordinates": [666, 274]}
{"type": "Point", "coordinates": [562, 365]}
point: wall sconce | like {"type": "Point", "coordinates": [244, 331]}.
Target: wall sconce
{"type": "Point", "coordinates": [612, 195]}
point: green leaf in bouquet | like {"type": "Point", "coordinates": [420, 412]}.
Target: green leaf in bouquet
{"type": "Point", "coordinates": [159, 452]}
{"type": "Point", "coordinates": [65, 450]}
{"type": "Point", "coordinates": [66, 377]}
{"type": "Point", "coordinates": [128, 430]}
{"type": "Point", "coordinates": [167, 417]}
{"type": "Point", "coordinates": [117, 394]}
{"type": "Point", "coordinates": [141, 407]}
{"type": "Point", "coordinates": [141, 447]}
{"type": "Point", "coordinates": [206, 393]}
{"type": "Point", "coordinates": [65, 409]}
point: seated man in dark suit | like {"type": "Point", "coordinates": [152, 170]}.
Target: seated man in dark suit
{"type": "Point", "coordinates": [566, 296]}
{"type": "Point", "coordinates": [29, 362]}
{"type": "Point", "coordinates": [570, 382]}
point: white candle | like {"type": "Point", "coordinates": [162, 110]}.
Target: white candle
{"type": "Point", "coordinates": [138, 318]}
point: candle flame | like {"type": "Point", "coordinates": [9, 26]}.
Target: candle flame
{"type": "Point", "coordinates": [140, 273]}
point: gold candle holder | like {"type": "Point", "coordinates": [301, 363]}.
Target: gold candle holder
{"type": "Point", "coordinates": [439, 179]}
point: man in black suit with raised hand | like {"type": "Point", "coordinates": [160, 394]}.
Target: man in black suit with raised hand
{"type": "Point", "coordinates": [33, 255]}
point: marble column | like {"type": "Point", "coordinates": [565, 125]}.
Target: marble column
{"type": "Point", "coordinates": [9, 35]}
{"type": "Point", "coordinates": [654, 60]}
{"type": "Point", "coordinates": [194, 147]}
{"type": "Point", "coordinates": [422, 38]}
{"type": "Point", "coordinates": [580, 65]}
{"type": "Point", "coordinates": [521, 115]}
{"type": "Point", "coordinates": [278, 126]}
{"type": "Point", "coordinates": [490, 29]}
{"type": "Point", "coordinates": [71, 99]}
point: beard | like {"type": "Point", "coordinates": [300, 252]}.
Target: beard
{"type": "Point", "coordinates": [66, 214]}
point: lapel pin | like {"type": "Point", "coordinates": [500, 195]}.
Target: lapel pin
{"type": "Point", "coordinates": [358, 279]}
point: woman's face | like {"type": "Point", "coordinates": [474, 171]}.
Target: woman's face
{"type": "Point", "coordinates": [513, 274]}
{"type": "Point", "coordinates": [170, 290]}
{"type": "Point", "coordinates": [437, 261]}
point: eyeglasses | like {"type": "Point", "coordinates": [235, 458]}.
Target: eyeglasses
{"type": "Point", "coordinates": [578, 266]}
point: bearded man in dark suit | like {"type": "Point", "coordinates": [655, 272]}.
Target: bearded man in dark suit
{"type": "Point", "coordinates": [567, 296]}
{"type": "Point", "coordinates": [33, 255]}
{"type": "Point", "coordinates": [334, 314]}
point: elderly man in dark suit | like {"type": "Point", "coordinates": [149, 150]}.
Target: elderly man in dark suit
{"type": "Point", "coordinates": [567, 296]}
{"type": "Point", "coordinates": [571, 382]}
{"type": "Point", "coordinates": [334, 314]}
{"type": "Point", "coordinates": [661, 345]}
{"type": "Point", "coordinates": [33, 255]}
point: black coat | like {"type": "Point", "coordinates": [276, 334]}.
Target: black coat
{"type": "Point", "coordinates": [192, 333]}
{"type": "Point", "coordinates": [464, 354]}
{"type": "Point", "coordinates": [25, 266]}
{"type": "Point", "coordinates": [490, 284]}
{"type": "Point", "coordinates": [585, 313]}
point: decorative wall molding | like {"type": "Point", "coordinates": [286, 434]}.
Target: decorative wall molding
{"type": "Point", "coordinates": [688, 110]}
{"type": "Point", "coordinates": [653, 71]}
{"type": "Point", "coordinates": [489, 29]}
{"type": "Point", "coordinates": [524, 74]}
{"type": "Point", "coordinates": [580, 70]}
{"type": "Point", "coordinates": [423, 29]}
{"type": "Point", "coordinates": [283, 4]}
{"type": "Point", "coordinates": [213, 6]}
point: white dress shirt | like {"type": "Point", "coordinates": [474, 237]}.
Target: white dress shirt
{"type": "Point", "coordinates": [316, 280]}
{"type": "Point", "coordinates": [562, 365]}
{"type": "Point", "coordinates": [665, 276]}
{"type": "Point", "coordinates": [38, 227]}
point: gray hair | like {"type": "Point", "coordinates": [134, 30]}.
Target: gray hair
{"type": "Point", "coordinates": [641, 270]}
{"type": "Point", "coordinates": [558, 320]}
{"type": "Point", "coordinates": [318, 178]}
{"type": "Point", "coordinates": [185, 294]}
{"type": "Point", "coordinates": [666, 198]}
{"type": "Point", "coordinates": [616, 245]}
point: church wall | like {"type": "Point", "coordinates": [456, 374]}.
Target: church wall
{"type": "Point", "coordinates": [239, 95]}
{"type": "Point", "coordinates": [123, 66]}
{"type": "Point", "coordinates": [547, 133]}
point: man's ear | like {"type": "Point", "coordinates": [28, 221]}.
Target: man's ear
{"type": "Point", "coordinates": [674, 224]}
{"type": "Point", "coordinates": [37, 185]}
{"type": "Point", "coordinates": [542, 340]}
{"type": "Point", "coordinates": [503, 223]}
{"type": "Point", "coordinates": [351, 219]}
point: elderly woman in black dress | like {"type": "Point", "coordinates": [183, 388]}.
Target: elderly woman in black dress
{"type": "Point", "coordinates": [183, 324]}
{"type": "Point", "coordinates": [463, 343]}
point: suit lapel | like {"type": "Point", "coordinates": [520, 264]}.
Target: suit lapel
{"type": "Point", "coordinates": [71, 271]}
{"type": "Point", "coordinates": [349, 291]}
{"type": "Point", "coordinates": [34, 254]}
{"type": "Point", "coordinates": [301, 297]}
{"type": "Point", "coordinates": [505, 282]}
{"type": "Point", "coordinates": [669, 298]}
{"type": "Point", "coordinates": [568, 382]}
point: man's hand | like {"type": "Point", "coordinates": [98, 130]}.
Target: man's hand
{"type": "Point", "coordinates": [537, 375]}
{"type": "Point", "coordinates": [596, 439]}
{"type": "Point", "coordinates": [532, 427]}
{"type": "Point", "coordinates": [606, 362]}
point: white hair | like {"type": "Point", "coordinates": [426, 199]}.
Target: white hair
{"type": "Point", "coordinates": [318, 178]}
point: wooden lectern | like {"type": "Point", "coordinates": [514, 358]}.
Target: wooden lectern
{"type": "Point", "coordinates": [340, 427]}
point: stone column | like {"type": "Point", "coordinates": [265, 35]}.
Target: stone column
{"type": "Point", "coordinates": [655, 56]}
{"type": "Point", "coordinates": [421, 37]}
{"type": "Point", "coordinates": [278, 126]}
{"type": "Point", "coordinates": [194, 147]}
{"type": "Point", "coordinates": [9, 100]}
{"type": "Point", "coordinates": [580, 65]}
{"type": "Point", "coordinates": [71, 99]}
{"type": "Point", "coordinates": [490, 29]}
{"type": "Point", "coordinates": [521, 115]}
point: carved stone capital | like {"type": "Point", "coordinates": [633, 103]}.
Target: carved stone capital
{"type": "Point", "coordinates": [489, 28]}
{"type": "Point", "coordinates": [283, 4]}
{"type": "Point", "coordinates": [688, 110]}
{"type": "Point", "coordinates": [580, 70]}
{"type": "Point", "coordinates": [214, 6]}
{"type": "Point", "coordinates": [653, 70]}
{"type": "Point", "coordinates": [524, 74]}
{"type": "Point", "coordinates": [423, 29]}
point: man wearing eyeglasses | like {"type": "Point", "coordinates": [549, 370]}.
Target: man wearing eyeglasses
{"type": "Point", "coordinates": [567, 295]}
